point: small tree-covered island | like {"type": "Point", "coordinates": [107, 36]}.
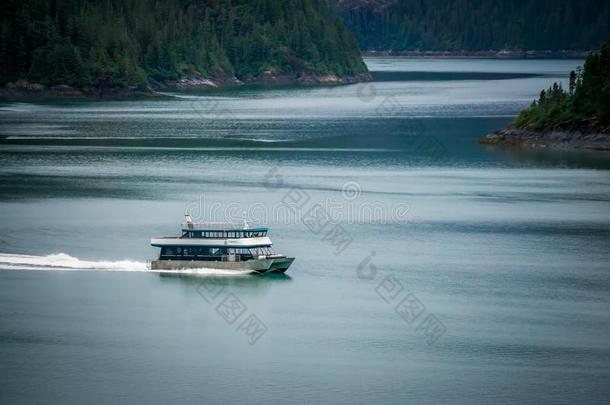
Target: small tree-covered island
{"type": "Point", "coordinates": [577, 117]}
{"type": "Point", "coordinates": [84, 47]}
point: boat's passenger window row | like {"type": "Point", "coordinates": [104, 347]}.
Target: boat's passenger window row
{"type": "Point", "coordinates": [223, 234]}
{"type": "Point", "coordinates": [182, 252]}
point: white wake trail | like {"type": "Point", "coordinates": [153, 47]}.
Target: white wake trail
{"type": "Point", "coordinates": [62, 261]}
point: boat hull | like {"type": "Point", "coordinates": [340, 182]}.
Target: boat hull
{"type": "Point", "coordinates": [259, 266]}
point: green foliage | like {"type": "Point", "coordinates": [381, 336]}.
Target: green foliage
{"type": "Point", "coordinates": [585, 106]}
{"type": "Point", "coordinates": [130, 43]}
{"type": "Point", "coordinates": [476, 25]}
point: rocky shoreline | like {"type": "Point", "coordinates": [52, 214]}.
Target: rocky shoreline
{"type": "Point", "coordinates": [26, 90]}
{"type": "Point", "coordinates": [552, 139]}
{"type": "Point", "coordinates": [491, 54]}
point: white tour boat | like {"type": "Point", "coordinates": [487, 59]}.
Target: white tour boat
{"type": "Point", "coordinates": [225, 246]}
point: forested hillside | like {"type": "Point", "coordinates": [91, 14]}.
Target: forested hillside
{"type": "Point", "coordinates": [119, 42]}
{"type": "Point", "coordinates": [584, 106]}
{"type": "Point", "coordinates": [473, 25]}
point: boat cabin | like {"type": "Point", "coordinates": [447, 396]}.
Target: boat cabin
{"type": "Point", "coordinates": [215, 242]}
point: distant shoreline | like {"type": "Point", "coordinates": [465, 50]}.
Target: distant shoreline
{"type": "Point", "coordinates": [23, 90]}
{"type": "Point", "coordinates": [491, 54]}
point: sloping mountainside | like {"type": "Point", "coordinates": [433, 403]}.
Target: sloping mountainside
{"type": "Point", "coordinates": [476, 25]}
{"type": "Point", "coordinates": [575, 117]}
{"type": "Point", "coordinates": [139, 42]}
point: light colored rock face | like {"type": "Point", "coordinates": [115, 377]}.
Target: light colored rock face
{"type": "Point", "coordinates": [199, 82]}
{"type": "Point", "coordinates": [555, 139]}
{"type": "Point", "coordinates": [266, 78]}
{"type": "Point", "coordinates": [192, 83]}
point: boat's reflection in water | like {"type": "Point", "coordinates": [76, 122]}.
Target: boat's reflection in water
{"type": "Point", "coordinates": [252, 290]}
{"type": "Point", "coordinates": [245, 279]}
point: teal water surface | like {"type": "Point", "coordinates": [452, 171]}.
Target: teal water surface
{"type": "Point", "coordinates": [464, 274]}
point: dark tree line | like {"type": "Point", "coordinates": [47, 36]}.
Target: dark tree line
{"type": "Point", "coordinates": [131, 42]}
{"type": "Point", "coordinates": [474, 25]}
{"type": "Point", "coordinates": [584, 106]}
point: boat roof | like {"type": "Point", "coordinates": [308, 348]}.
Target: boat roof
{"type": "Point", "coordinates": [169, 241]}
{"type": "Point", "coordinates": [221, 226]}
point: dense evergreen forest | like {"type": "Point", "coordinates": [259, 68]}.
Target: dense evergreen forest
{"type": "Point", "coordinates": [475, 25]}
{"type": "Point", "coordinates": [584, 106]}
{"type": "Point", "coordinates": [118, 42]}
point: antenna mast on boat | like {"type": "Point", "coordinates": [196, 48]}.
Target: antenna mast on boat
{"type": "Point", "coordinates": [189, 220]}
{"type": "Point", "coordinates": [246, 225]}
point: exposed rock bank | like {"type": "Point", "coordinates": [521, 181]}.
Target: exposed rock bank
{"type": "Point", "coordinates": [267, 78]}
{"type": "Point", "coordinates": [26, 90]}
{"type": "Point", "coordinates": [554, 139]}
